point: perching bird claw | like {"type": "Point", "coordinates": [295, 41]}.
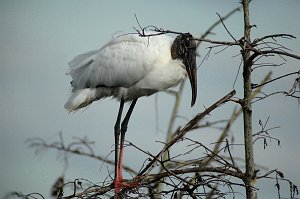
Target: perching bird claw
{"type": "Point", "coordinates": [119, 185]}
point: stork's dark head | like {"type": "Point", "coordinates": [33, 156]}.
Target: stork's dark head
{"type": "Point", "coordinates": [184, 48]}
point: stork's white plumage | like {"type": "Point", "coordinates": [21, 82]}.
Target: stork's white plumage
{"type": "Point", "coordinates": [126, 68]}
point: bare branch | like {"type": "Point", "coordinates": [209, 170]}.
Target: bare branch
{"type": "Point", "coordinates": [283, 35]}
{"type": "Point", "coordinates": [209, 30]}
{"type": "Point", "coordinates": [277, 78]}
{"type": "Point", "coordinates": [226, 28]}
{"type": "Point", "coordinates": [188, 127]}
{"type": "Point", "coordinates": [273, 52]}
{"type": "Point", "coordinates": [73, 148]}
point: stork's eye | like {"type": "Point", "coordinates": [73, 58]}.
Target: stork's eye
{"type": "Point", "coordinates": [187, 42]}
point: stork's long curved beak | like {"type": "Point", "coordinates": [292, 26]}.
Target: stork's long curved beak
{"type": "Point", "coordinates": [191, 69]}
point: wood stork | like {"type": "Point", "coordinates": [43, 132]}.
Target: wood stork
{"type": "Point", "coordinates": [129, 67]}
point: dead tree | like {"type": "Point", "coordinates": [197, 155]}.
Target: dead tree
{"type": "Point", "coordinates": [215, 173]}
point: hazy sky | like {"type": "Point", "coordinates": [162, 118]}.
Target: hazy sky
{"type": "Point", "coordinates": [38, 39]}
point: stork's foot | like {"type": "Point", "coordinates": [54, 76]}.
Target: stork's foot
{"type": "Point", "coordinates": [119, 184]}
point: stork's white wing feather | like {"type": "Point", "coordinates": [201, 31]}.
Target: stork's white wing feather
{"type": "Point", "coordinates": [122, 62]}
{"type": "Point", "coordinates": [82, 59]}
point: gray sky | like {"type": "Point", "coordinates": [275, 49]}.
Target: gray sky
{"type": "Point", "coordinates": [38, 38]}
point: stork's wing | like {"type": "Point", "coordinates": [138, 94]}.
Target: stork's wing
{"type": "Point", "coordinates": [122, 62]}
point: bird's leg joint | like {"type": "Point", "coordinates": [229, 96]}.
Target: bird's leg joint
{"type": "Point", "coordinates": [124, 126]}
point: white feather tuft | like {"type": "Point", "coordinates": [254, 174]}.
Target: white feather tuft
{"type": "Point", "coordinates": [80, 99]}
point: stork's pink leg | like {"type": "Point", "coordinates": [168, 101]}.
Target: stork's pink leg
{"type": "Point", "coordinates": [118, 181]}
{"type": "Point", "coordinates": [118, 178]}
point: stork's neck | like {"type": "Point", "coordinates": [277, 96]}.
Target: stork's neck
{"type": "Point", "coordinates": [174, 47]}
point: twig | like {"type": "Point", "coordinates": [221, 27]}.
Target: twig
{"type": "Point", "coordinates": [283, 35]}
{"type": "Point", "coordinates": [226, 28]}
{"type": "Point", "coordinates": [208, 31]}
{"type": "Point", "coordinates": [277, 78]}
{"type": "Point", "coordinates": [37, 142]}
